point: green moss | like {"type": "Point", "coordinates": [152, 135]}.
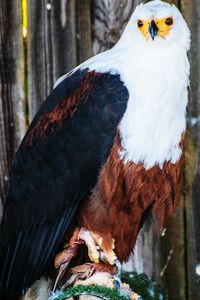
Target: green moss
{"type": "Point", "coordinates": [143, 286]}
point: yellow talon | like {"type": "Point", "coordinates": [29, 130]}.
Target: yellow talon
{"type": "Point", "coordinates": [93, 256]}
{"type": "Point", "coordinates": [111, 257]}
{"type": "Point", "coordinates": [108, 256]}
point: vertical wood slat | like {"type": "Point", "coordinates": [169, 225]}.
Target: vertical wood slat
{"type": "Point", "coordinates": [191, 11]}
{"type": "Point", "coordinates": [64, 49]}
{"type": "Point", "coordinates": [39, 46]}
{"type": "Point", "coordinates": [12, 100]}
{"type": "Point", "coordinates": [173, 257]}
{"type": "Point", "coordinates": [83, 30]}
{"type": "Point", "coordinates": [193, 287]}
{"type": "Point", "coordinates": [51, 46]}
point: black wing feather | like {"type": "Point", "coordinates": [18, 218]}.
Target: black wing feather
{"type": "Point", "coordinates": [52, 174]}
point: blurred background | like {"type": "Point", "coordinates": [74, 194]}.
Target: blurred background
{"type": "Point", "coordinates": [40, 40]}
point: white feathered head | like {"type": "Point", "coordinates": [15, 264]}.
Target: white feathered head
{"type": "Point", "coordinates": [157, 23]}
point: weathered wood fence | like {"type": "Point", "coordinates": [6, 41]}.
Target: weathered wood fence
{"type": "Point", "coordinates": [61, 34]}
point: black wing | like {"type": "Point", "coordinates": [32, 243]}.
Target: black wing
{"type": "Point", "coordinates": [56, 165]}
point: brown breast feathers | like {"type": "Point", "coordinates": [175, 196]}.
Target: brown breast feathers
{"type": "Point", "coordinates": [125, 193]}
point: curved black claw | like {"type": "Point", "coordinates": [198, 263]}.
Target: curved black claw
{"type": "Point", "coordinates": [117, 278]}
{"type": "Point", "coordinates": [117, 283]}
{"type": "Point", "coordinates": [118, 267]}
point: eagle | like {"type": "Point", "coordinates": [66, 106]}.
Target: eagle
{"type": "Point", "coordinates": [104, 151]}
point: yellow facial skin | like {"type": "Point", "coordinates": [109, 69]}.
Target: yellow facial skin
{"type": "Point", "coordinates": [163, 28]}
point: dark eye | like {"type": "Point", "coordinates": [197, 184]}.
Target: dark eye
{"type": "Point", "coordinates": [169, 21]}
{"type": "Point", "coordinates": [140, 23]}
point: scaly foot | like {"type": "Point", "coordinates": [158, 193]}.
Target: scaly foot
{"type": "Point", "coordinates": [99, 248]}
{"type": "Point", "coordinates": [63, 258]}
{"type": "Point", "coordinates": [85, 271]}
{"type": "Point", "coordinates": [97, 274]}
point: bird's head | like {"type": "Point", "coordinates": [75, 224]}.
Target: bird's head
{"type": "Point", "coordinates": [157, 23]}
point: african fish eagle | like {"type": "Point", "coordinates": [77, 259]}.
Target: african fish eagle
{"type": "Point", "coordinates": [103, 152]}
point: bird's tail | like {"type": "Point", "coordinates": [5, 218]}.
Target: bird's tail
{"type": "Point", "coordinates": [11, 268]}
{"type": "Point", "coordinates": [5, 260]}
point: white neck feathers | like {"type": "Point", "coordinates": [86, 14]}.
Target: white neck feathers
{"type": "Point", "coordinates": [154, 121]}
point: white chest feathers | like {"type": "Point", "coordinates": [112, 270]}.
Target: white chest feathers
{"type": "Point", "coordinates": [154, 121]}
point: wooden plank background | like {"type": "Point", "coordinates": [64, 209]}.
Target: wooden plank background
{"type": "Point", "coordinates": [62, 34]}
{"type": "Point", "coordinates": [12, 105]}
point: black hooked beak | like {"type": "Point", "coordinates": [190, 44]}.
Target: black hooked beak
{"type": "Point", "coordinates": [153, 29]}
